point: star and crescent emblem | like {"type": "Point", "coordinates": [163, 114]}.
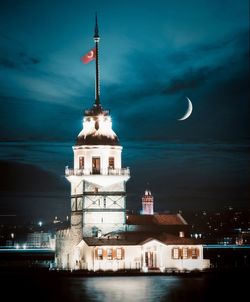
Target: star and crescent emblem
{"type": "Point", "coordinates": [90, 54]}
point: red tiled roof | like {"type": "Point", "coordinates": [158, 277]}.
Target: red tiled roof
{"type": "Point", "coordinates": [156, 219]}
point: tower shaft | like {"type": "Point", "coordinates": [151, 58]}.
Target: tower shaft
{"type": "Point", "coordinates": [97, 72]}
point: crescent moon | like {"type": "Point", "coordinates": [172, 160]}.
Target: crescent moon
{"type": "Point", "coordinates": [188, 112]}
{"type": "Point", "coordinates": [91, 53]}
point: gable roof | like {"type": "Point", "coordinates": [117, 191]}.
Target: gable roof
{"type": "Point", "coordinates": [138, 238]}
{"type": "Point", "coordinates": [156, 219]}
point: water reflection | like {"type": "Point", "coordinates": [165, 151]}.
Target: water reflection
{"type": "Point", "coordinates": [154, 288]}
{"type": "Point", "coordinates": [35, 285]}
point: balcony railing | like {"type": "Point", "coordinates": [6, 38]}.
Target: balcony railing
{"type": "Point", "coordinates": [83, 172]}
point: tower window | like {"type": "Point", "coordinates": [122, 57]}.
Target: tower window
{"type": "Point", "coordinates": [81, 162]}
{"type": "Point", "coordinates": [94, 232]}
{"type": "Point", "coordinates": [96, 165]}
{"type": "Point", "coordinates": [111, 162]}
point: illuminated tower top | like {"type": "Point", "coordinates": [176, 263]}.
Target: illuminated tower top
{"type": "Point", "coordinates": [148, 203]}
{"type": "Point", "coordinates": [97, 123]}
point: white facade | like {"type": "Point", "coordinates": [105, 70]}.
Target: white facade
{"type": "Point", "coordinates": [152, 255]}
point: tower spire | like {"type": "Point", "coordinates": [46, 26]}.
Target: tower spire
{"type": "Point", "coordinates": [97, 75]}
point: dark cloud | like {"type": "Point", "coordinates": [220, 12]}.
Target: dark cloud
{"type": "Point", "coordinates": [14, 54]}
{"type": "Point", "coordinates": [192, 79]}
{"type": "Point", "coordinates": [19, 177]}
{"type": "Point", "coordinates": [32, 120]}
{"type": "Point", "coordinates": [235, 41]}
{"type": "Point", "coordinates": [28, 191]}
{"type": "Point", "coordinates": [152, 79]}
{"type": "Point", "coordinates": [18, 60]}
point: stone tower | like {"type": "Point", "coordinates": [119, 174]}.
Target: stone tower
{"type": "Point", "coordinates": [98, 181]}
{"type": "Point", "coordinates": [147, 203]}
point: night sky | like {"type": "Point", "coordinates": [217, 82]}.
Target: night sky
{"type": "Point", "coordinates": [153, 54]}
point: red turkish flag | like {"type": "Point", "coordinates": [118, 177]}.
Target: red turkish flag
{"type": "Point", "coordinates": [91, 55]}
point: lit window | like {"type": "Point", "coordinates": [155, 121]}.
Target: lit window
{"type": "Point", "coordinates": [194, 253]}
{"type": "Point", "coordinates": [109, 254]}
{"type": "Point", "coordinates": [119, 253]}
{"type": "Point", "coordinates": [81, 162]}
{"type": "Point", "coordinates": [99, 254]}
{"type": "Point", "coordinates": [111, 162]}
{"type": "Point", "coordinates": [96, 165]}
{"type": "Point", "coordinates": [181, 234]}
{"type": "Point", "coordinates": [175, 253]}
{"type": "Point", "coordinates": [185, 253]}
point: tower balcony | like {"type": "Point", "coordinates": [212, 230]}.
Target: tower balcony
{"type": "Point", "coordinates": [86, 172]}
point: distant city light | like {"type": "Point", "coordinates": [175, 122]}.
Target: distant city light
{"type": "Point", "coordinates": [17, 246]}
{"type": "Point", "coordinates": [12, 235]}
{"type": "Point", "coordinates": [24, 246]}
{"type": "Point", "coordinates": [40, 223]}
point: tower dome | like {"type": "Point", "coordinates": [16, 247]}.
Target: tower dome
{"type": "Point", "coordinates": [97, 128]}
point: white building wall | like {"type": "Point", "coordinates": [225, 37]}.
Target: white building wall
{"type": "Point", "coordinates": [81, 256]}
{"type": "Point", "coordinates": [104, 152]}
{"type": "Point", "coordinates": [183, 264]}
{"type": "Point", "coordinates": [134, 258]}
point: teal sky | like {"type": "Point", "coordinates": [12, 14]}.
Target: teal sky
{"type": "Point", "coordinates": [153, 54]}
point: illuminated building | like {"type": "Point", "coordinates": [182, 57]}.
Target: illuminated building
{"type": "Point", "coordinates": [101, 235]}
{"type": "Point", "coordinates": [147, 203]}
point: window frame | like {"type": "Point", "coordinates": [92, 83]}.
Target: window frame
{"type": "Point", "coordinates": [99, 254]}
{"type": "Point", "coordinates": [194, 253]}
{"type": "Point", "coordinates": [81, 162]}
{"type": "Point", "coordinates": [175, 253]}
{"type": "Point", "coordinates": [111, 162]}
{"type": "Point", "coordinates": [109, 253]}
{"type": "Point", "coordinates": [185, 253]}
{"type": "Point", "coordinates": [119, 253]}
